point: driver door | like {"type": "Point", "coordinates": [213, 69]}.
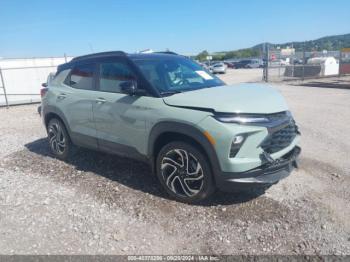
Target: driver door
{"type": "Point", "coordinates": [118, 117]}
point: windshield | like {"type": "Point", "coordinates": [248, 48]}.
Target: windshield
{"type": "Point", "coordinates": [176, 74]}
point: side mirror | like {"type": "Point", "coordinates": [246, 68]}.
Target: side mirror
{"type": "Point", "coordinates": [130, 88]}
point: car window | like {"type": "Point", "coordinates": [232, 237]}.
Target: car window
{"type": "Point", "coordinates": [113, 75]}
{"type": "Point", "coordinates": [176, 74]}
{"type": "Point", "coordinates": [60, 77]}
{"type": "Point", "coordinates": [82, 77]}
{"type": "Point", "coordinates": [174, 77]}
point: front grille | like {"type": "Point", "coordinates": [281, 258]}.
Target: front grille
{"type": "Point", "coordinates": [280, 139]}
{"type": "Point", "coordinates": [277, 116]}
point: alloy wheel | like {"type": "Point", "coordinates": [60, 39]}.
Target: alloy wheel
{"type": "Point", "coordinates": [57, 138]}
{"type": "Point", "coordinates": [182, 173]}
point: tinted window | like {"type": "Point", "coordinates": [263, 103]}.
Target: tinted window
{"type": "Point", "coordinates": [176, 73]}
{"type": "Point", "coordinates": [60, 77]}
{"type": "Point", "coordinates": [82, 77]}
{"type": "Point", "coordinates": [113, 74]}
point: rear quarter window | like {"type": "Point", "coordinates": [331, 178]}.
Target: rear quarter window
{"type": "Point", "coordinates": [81, 77]}
{"type": "Point", "coordinates": [60, 77]}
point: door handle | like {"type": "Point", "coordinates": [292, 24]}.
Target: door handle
{"type": "Point", "coordinates": [100, 100]}
{"type": "Point", "coordinates": [62, 95]}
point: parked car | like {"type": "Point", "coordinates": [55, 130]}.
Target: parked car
{"type": "Point", "coordinates": [279, 62]}
{"type": "Point", "coordinates": [255, 63]}
{"type": "Point", "coordinates": [298, 61]}
{"type": "Point", "coordinates": [229, 65]}
{"type": "Point", "coordinates": [197, 133]}
{"type": "Point", "coordinates": [44, 88]}
{"type": "Point", "coordinates": [241, 63]}
{"type": "Point", "coordinates": [249, 63]}
{"type": "Point", "coordinates": [45, 85]}
{"type": "Point", "coordinates": [219, 68]}
{"type": "Point", "coordinates": [205, 66]}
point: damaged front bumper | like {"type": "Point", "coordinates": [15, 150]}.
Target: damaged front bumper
{"type": "Point", "coordinates": [269, 173]}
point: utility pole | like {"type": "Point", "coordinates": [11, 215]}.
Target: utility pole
{"type": "Point", "coordinates": [340, 61]}
{"type": "Point", "coordinates": [266, 63]}
{"type": "Point", "coordinates": [303, 62]}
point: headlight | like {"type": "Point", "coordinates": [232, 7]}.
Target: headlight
{"type": "Point", "coordinates": [242, 119]}
{"type": "Point", "coordinates": [272, 119]}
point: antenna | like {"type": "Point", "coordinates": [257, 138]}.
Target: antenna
{"type": "Point", "coordinates": [91, 48]}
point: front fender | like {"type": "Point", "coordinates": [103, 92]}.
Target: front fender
{"type": "Point", "coordinates": [183, 129]}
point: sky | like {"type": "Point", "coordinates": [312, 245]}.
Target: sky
{"type": "Point", "coordinates": [51, 28]}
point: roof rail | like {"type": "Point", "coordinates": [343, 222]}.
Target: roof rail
{"type": "Point", "coordinates": [102, 54]}
{"type": "Point", "coordinates": [166, 52]}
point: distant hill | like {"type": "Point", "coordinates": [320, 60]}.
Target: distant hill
{"type": "Point", "coordinates": [329, 43]}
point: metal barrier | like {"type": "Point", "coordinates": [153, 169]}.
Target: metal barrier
{"type": "Point", "coordinates": [283, 64]}
{"type": "Point", "coordinates": [21, 78]}
{"type": "Point", "coordinates": [4, 88]}
{"type": "Point", "coordinates": [23, 84]}
{"type": "Point", "coordinates": [344, 65]}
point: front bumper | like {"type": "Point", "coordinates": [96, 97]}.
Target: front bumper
{"type": "Point", "coordinates": [269, 173]}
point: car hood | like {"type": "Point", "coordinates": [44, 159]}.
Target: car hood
{"type": "Point", "coordinates": [239, 98]}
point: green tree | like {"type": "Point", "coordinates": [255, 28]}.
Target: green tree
{"type": "Point", "coordinates": [202, 55]}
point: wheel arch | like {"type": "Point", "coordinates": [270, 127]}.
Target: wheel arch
{"type": "Point", "coordinates": [165, 132]}
{"type": "Point", "coordinates": [51, 112]}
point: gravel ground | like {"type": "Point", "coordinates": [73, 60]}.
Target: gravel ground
{"type": "Point", "coordinates": [102, 204]}
{"type": "Point", "coordinates": [242, 75]}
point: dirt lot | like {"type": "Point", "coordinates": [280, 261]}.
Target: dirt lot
{"type": "Point", "coordinates": [102, 204]}
{"type": "Point", "coordinates": [242, 76]}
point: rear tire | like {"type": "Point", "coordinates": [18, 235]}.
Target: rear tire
{"type": "Point", "coordinates": [59, 141]}
{"type": "Point", "coordinates": [184, 172]}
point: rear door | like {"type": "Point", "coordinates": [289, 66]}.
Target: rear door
{"type": "Point", "coordinates": [75, 99]}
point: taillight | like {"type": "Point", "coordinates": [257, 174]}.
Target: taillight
{"type": "Point", "coordinates": [43, 91]}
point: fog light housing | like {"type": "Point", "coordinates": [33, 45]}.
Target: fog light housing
{"type": "Point", "coordinates": [236, 145]}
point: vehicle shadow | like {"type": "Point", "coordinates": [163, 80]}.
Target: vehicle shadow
{"type": "Point", "coordinates": [338, 84]}
{"type": "Point", "coordinates": [134, 174]}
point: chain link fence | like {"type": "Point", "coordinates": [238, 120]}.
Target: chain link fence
{"type": "Point", "coordinates": [283, 64]}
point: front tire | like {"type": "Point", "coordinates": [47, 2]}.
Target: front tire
{"type": "Point", "coordinates": [184, 172]}
{"type": "Point", "coordinates": [59, 140]}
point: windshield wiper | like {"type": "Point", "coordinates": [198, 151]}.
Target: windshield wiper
{"type": "Point", "coordinates": [169, 93]}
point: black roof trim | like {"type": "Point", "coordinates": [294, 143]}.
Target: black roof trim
{"type": "Point", "coordinates": [166, 52]}
{"type": "Point", "coordinates": [91, 57]}
{"type": "Point", "coordinates": [98, 55]}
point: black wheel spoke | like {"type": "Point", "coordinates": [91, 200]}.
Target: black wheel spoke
{"type": "Point", "coordinates": [59, 131]}
{"type": "Point", "coordinates": [52, 138]}
{"type": "Point", "coordinates": [197, 170]}
{"type": "Point", "coordinates": [187, 190]}
{"type": "Point", "coordinates": [171, 178]}
{"type": "Point", "coordinates": [179, 153]}
{"type": "Point", "coordinates": [61, 143]}
{"type": "Point", "coordinates": [169, 161]}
